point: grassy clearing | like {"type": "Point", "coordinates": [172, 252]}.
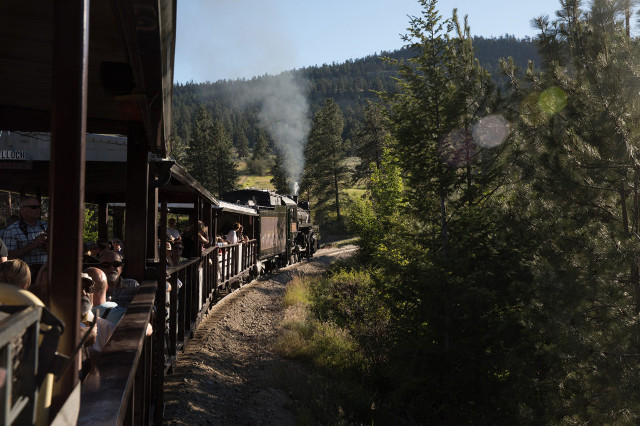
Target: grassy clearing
{"type": "Point", "coordinates": [326, 321]}
{"type": "Point", "coordinates": [262, 182]}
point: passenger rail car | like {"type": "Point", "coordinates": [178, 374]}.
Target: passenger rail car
{"type": "Point", "coordinates": [286, 234]}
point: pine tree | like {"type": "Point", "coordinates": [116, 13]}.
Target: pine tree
{"type": "Point", "coordinates": [199, 153]}
{"type": "Point", "coordinates": [579, 164]}
{"type": "Point", "coordinates": [224, 169]}
{"type": "Point", "coordinates": [325, 167]}
{"type": "Point", "coordinates": [454, 271]}
{"type": "Point", "coordinates": [279, 177]}
{"type": "Point", "coordinates": [210, 154]}
{"type": "Point", "coordinates": [370, 141]}
{"type": "Point", "coordinates": [260, 148]}
{"type": "Point", "coordinates": [242, 144]}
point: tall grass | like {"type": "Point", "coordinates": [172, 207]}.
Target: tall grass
{"type": "Point", "coordinates": [329, 323]}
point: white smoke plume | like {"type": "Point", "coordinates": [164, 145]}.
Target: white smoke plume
{"type": "Point", "coordinates": [284, 115]}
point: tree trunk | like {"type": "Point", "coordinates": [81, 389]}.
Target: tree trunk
{"type": "Point", "coordinates": [623, 203]}
{"type": "Point", "coordinates": [335, 183]}
{"type": "Point", "coordinates": [448, 320]}
{"type": "Point", "coordinates": [635, 272]}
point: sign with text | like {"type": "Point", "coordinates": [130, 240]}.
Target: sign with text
{"type": "Point", "coordinates": [10, 155]}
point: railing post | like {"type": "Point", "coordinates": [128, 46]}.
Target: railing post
{"type": "Point", "coordinates": [159, 324]}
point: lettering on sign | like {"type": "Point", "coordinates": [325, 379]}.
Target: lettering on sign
{"type": "Point", "coordinates": [12, 155]}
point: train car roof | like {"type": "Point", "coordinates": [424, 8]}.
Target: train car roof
{"type": "Point", "coordinates": [257, 197]}
{"type": "Point", "coordinates": [130, 67]}
{"type": "Point", "coordinates": [237, 208]}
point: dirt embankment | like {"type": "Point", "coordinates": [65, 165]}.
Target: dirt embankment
{"type": "Point", "coordinates": [230, 374]}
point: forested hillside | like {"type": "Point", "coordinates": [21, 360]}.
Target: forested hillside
{"type": "Point", "coordinates": [350, 84]}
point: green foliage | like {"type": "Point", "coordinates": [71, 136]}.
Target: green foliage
{"type": "Point", "coordinates": [578, 122]}
{"type": "Point", "coordinates": [375, 218]}
{"type": "Point", "coordinates": [279, 178]}
{"type": "Point", "coordinates": [209, 155]}
{"type": "Point", "coordinates": [370, 141]}
{"type": "Point", "coordinates": [261, 148]}
{"type": "Point", "coordinates": [338, 325]}
{"type": "Point", "coordinates": [90, 225]}
{"type": "Point", "coordinates": [326, 172]}
{"type": "Point", "coordinates": [453, 275]}
{"type": "Point", "coordinates": [258, 167]}
{"type": "Point", "coordinates": [352, 84]}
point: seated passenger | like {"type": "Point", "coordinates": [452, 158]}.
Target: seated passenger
{"type": "Point", "coordinates": [103, 327]}
{"type": "Point", "coordinates": [121, 290]}
{"type": "Point", "coordinates": [15, 272]}
{"type": "Point", "coordinates": [104, 309]}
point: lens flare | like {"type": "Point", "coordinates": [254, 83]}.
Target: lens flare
{"type": "Point", "coordinates": [530, 111]}
{"type": "Point", "coordinates": [457, 148]}
{"type": "Point", "coordinates": [552, 100]}
{"type": "Point", "coordinates": [537, 109]}
{"type": "Point", "coordinates": [491, 131]}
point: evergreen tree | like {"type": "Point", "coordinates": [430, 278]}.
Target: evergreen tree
{"type": "Point", "coordinates": [260, 148]}
{"type": "Point", "coordinates": [325, 167]}
{"type": "Point", "coordinates": [224, 169]}
{"type": "Point", "coordinates": [370, 141]}
{"type": "Point", "coordinates": [579, 163]}
{"type": "Point", "coordinates": [199, 153]}
{"type": "Point", "coordinates": [279, 177]}
{"type": "Point", "coordinates": [456, 277]}
{"type": "Point", "coordinates": [209, 155]}
{"type": "Point", "coordinates": [242, 144]}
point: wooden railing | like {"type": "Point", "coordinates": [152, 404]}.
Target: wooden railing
{"type": "Point", "coordinates": [118, 390]}
{"type": "Point", "coordinates": [127, 384]}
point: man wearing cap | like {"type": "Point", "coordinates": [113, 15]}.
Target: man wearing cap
{"type": "Point", "coordinates": [26, 239]}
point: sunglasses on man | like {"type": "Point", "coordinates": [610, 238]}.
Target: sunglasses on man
{"type": "Point", "coordinates": [31, 207]}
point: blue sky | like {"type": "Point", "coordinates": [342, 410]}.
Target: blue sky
{"type": "Point", "coordinates": [229, 39]}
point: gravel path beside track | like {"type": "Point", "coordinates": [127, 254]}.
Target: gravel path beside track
{"type": "Point", "coordinates": [229, 373]}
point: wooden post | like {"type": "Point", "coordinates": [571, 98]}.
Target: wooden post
{"type": "Point", "coordinates": [118, 222]}
{"type": "Point", "coordinates": [137, 203]}
{"type": "Point", "coordinates": [152, 217]}
{"type": "Point", "coordinates": [67, 175]}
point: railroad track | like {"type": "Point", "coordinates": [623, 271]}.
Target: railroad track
{"type": "Point", "coordinates": [229, 372]}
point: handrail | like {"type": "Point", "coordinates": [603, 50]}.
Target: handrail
{"type": "Point", "coordinates": [119, 389]}
{"type": "Point", "coordinates": [108, 391]}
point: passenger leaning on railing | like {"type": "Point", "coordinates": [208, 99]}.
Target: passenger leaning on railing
{"type": "Point", "coordinates": [121, 290]}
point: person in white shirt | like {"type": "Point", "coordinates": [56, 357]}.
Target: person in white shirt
{"type": "Point", "coordinates": [232, 236]}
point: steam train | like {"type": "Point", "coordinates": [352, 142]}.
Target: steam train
{"type": "Point", "coordinates": [73, 68]}
{"type": "Point", "coordinates": [285, 234]}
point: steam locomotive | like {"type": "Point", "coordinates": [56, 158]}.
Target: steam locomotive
{"type": "Point", "coordinates": [285, 233]}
